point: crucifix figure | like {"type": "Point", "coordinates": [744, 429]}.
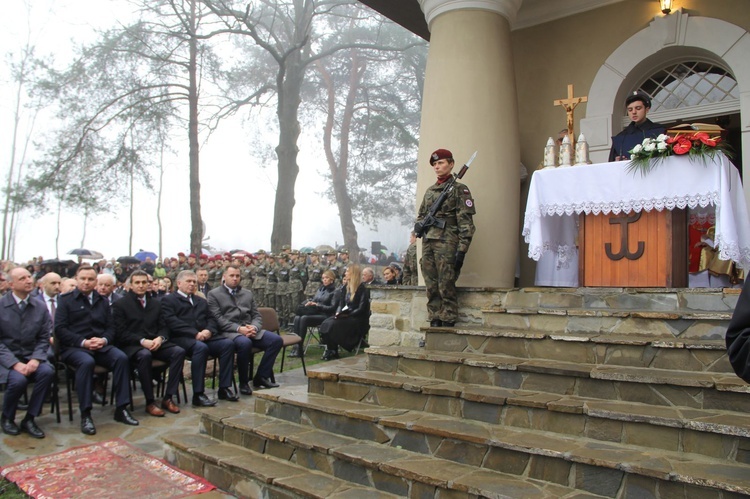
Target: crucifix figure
{"type": "Point", "coordinates": [570, 104]}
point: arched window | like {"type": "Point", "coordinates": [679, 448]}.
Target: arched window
{"type": "Point", "coordinates": [706, 88]}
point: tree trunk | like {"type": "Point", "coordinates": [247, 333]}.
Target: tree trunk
{"type": "Point", "coordinates": [57, 235]}
{"type": "Point", "coordinates": [158, 202]}
{"type": "Point", "coordinates": [132, 194]}
{"type": "Point", "coordinates": [290, 78]}
{"type": "Point", "coordinates": [196, 220]}
{"type": "Point", "coordinates": [85, 223]}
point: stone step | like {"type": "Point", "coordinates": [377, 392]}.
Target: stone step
{"type": "Point", "coordinates": [705, 324]}
{"type": "Point", "coordinates": [604, 468]}
{"type": "Point", "coordinates": [699, 390]}
{"type": "Point", "coordinates": [714, 433]}
{"type": "Point", "coordinates": [661, 352]}
{"type": "Point", "coordinates": [246, 473]}
{"type": "Point", "coordinates": [391, 470]}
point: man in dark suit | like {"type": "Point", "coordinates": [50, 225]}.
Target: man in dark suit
{"type": "Point", "coordinates": [83, 326]}
{"type": "Point", "coordinates": [105, 286]}
{"type": "Point", "coordinates": [239, 320]}
{"type": "Point", "coordinates": [140, 333]}
{"type": "Point", "coordinates": [202, 276]}
{"type": "Point", "coordinates": [25, 329]}
{"type": "Point", "coordinates": [192, 327]}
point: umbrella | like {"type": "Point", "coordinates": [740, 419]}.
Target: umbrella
{"type": "Point", "coordinates": [128, 260]}
{"type": "Point", "coordinates": [56, 261]}
{"type": "Point", "coordinates": [306, 249]}
{"type": "Point", "coordinates": [86, 253]}
{"type": "Point", "coordinates": [142, 255]}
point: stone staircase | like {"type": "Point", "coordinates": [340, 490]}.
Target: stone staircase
{"type": "Point", "coordinates": [556, 393]}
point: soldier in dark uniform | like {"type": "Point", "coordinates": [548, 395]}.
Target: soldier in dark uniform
{"type": "Point", "coordinates": [443, 250]}
{"type": "Point", "coordinates": [282, 289]}
{"type": "Point", "coordinates": [295, 290]}
{"type": "Point", "coordinates": [637, 106]}
{"type": "Point", "coordinates": [410, 276]}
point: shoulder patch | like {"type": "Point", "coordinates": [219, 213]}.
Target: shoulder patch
{"type": "Point", "coordinates": [466, 191]}
{"type": "Point", "coordinates": [469, 203]}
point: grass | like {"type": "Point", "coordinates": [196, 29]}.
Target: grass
{"type": "Point", "coordinates": [9, 490]}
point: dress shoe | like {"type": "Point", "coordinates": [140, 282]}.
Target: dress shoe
{"type": "Point", "coordinates": [228, 394]}
{"type": "Point", "coordinates": [154, 410]}
{"type": "Point", "coordinates": [87, 425]}
{"type": "Point", "coordinates": [29, 426]}
{"type": "Point", "coordinates": [245, 389]}
{"type": "Point", "coordinates": [124, 416]}
{"type": "Point", "coordinates": [169, 406]}
{"type": "Point", "coordinates": [97, 398]}
{"type": "Point", "coordinates": [436, 323]}
{"type": "Point", "coordinates": [202, 400]}
{"type": "Point", "coordinates": [264, 383]}
{"type": "Point", "coordinates": [10, 427]}
{"type": "Point", "coordinates": [331, 355]}
{"type": "Point", "coordinates": [448, 324]}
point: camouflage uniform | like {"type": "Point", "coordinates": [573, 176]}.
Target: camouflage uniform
{"type": "Point", "coordinates": [272, 278]}
{"type": "Point", "coordinates": [295, 289]}
{"type": "Point", "coordinates": [338, 270]}
{"type": "Point", "coordinates": [282, 291]}
{"type": "Point", "coordinates": [410, 276]}
{"type": "Point", "coordinates": [315, 278]}
{"type": "Point", "coordinates": [213, 272]}
{"type": "Point", "coordinates": [246, 271]}
{"type": "Point", "coordinates": [259, 280]}
{"type": "Point", "coordinates": [439, 247]}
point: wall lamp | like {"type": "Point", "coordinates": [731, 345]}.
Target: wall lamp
{"type": "Point", "coordinates": [666, 6]}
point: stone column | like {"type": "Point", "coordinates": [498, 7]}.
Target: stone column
{"type": "Point", "coordinates": [470, 104]}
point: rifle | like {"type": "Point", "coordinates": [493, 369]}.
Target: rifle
{"type": "Point", "coordinates": [428, 221]}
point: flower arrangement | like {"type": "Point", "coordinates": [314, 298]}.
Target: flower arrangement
{"type": "Point", "coordinates": [699, 145]}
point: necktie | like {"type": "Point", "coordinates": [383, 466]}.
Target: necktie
{"type": "Point", "coordinates": [190, 297]}
{"type": "Point", "coordinates": [22, 305]}
{"type": "Point", "coordinates": [52, 308]}
{"type": "Point", "coordinates": [234, 292]}
{"type": "Point", "coordinates": [142, 299]}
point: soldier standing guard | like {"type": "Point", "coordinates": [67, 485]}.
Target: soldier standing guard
{"type": "Point", "coordinates": [282, 289]}
{"type": "Point", "coordinates": [314, 274]}
{"type": "Point", "coordinates": [410, 277]}
{"type": "Point", "coordinates": [295, 289]}
{"type": "Point", "coordinates": [259, 278]}
{"type": "Point", "coordinates": [272, 278]}
{"type": "Point", "coordinates": [444, 249]}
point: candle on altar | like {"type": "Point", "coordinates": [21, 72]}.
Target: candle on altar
{"type": "Point", "coordinates": [550, 154]}
{"type": "Point", "coordinates": [566, 153]}
{"type": "Point", "coordinates": [582, 151]}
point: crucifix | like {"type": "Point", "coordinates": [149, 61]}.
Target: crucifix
{"type": "Point", "coordinates": [570, 104]}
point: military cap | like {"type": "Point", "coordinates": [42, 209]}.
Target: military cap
{"type": "Point", "coordinates": [314, 253]}
{"type": "Point", "coordinates": [440, 154]}
{"type": "Point", "coordinates": [270, 255]}
{"type": "Point", "coordinates": [180, 254]}
{"type": "Point", "coordinates": [191, 255]}
{"type": "Point", "coordinates": [260, 252]}
{"type": "Point", "coordinates": [344, 252]}
{"type": "Point", "coordinates": [295, 252]}
{"type": "Point", "coordinates": [286, 247]}
{"type": "Point", "coordinates": [638, 96]}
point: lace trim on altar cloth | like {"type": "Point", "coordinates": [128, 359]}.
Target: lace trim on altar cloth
{"type": "Point", "coordinates": [636, 205]}
{"type": "Point", "coordinates": [730, 250]}
{"type": "Point", "coordinates": [565, 254]}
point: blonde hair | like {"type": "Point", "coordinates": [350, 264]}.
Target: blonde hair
{"type": "Point", "coordinates": [355, 278]}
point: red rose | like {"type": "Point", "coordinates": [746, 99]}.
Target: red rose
{"type": "Point", "coordinates": [682, 145]}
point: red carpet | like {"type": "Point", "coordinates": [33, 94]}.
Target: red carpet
{"type": "Point", "coordinates": [106, 469]}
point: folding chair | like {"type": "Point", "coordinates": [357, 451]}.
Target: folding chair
{"type": "Point", "coordinates": [271, 323]}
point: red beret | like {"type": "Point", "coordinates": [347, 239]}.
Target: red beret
{"type": "Point", "coordinates": [440, 154]}
{"type": "Point", "coordinates": [180, 254]}
{"type": "Point", "coordinates": [204, 256]}
{"type": "Point", "coordinates": [192, 255]}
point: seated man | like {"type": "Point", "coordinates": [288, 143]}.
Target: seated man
{"type": "Point", "coordinates": [105, 286]}
{"type": "Point", "coordinates": [239, 320]}
{"type": "Point", "coordinates": [83, 326]}
{"type": "Point", "coordinates": [25, 328]}
{"type": "Point", "coordinates": [140, 333]}
{"type": "Point", "coordinates": [192, 327]}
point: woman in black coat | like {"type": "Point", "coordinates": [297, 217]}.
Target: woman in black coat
{"type": "Point", "coordinates": [314, 311]}
{"type": "Point", "coordinates": [352, 319]}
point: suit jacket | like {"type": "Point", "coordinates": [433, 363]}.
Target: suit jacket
{"type": "Point", "coordinates": [738, 335]}
{"type": "Point", "coordinates": [133, 323]}
{"type": "Point", "coordinates": [184, 320]}
{"type": "Point", "coordinates": [23, 336]}
{"type": "Point", "coordinates": [231, 312]}
{"type": "Point", "coordinates": [77, 320]}
{"type": "Point", "coordinates": [204, 289]}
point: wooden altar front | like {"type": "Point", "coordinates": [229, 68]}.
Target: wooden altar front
{"type": "Point", "coordinates": [644, 249]}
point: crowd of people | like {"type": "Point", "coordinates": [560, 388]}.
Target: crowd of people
{"type": "Point", "coordinates": [196, 307]}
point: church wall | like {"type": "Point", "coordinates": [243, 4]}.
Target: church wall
{"type": "Point", "coordinates": [550, 56]}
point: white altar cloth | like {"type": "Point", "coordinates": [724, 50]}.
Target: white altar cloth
{"type": "Point", "coordinates": [677, 182]}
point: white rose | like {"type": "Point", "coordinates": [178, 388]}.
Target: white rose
{"type": "Point", "coordinates": [646, 141]}
{"type": "Point", "coordinates": [661, 146]}
{"type": "Point", "coordinates": [637, 149]}
{"type": "Point", "coordinates": [662, 138]}
{"type": "Point", "coordinates": [650, 147]}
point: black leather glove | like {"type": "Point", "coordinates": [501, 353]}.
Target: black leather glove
{"type": "Point", "coordinates": [460, 255]}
